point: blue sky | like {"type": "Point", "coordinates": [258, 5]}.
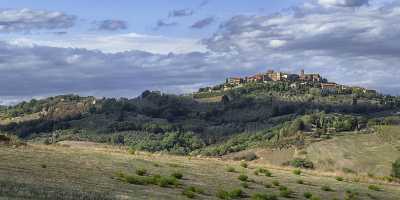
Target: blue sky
{"type": "Point", "coordinates": [120, 48]}
{"type": "Point", "coordinates": [143, 15]}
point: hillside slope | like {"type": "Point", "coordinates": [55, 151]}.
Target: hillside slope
{"type": "Point", "coordinates": [77, 170]}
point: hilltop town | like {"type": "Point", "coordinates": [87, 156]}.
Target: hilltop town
{"type": "Point", "coordinates": [295, 81]}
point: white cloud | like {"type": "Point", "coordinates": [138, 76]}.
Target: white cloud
{"type": "Point", "coordinates": [346, 45]}
{"type": "Point", "coordinates": [344, 3]}
{"type": "Point", "coordinates": [277, 43]}
{"type": "Point", "coordinates": [23, 20]}
{"type": "Point", "coordinates": [114, 43]}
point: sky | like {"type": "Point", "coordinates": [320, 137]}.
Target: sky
{"type": "Point", "coordinates": [120, 48]}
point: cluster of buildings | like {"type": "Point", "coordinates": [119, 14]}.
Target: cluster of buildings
{"type": "Point", "coordinates": [271, 75]}
{"type": "Point", "coordinates": [296, 81]}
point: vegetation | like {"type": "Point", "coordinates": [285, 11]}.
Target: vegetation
{"type": "Point", "coordinates": [396, 169]}
{"type": "Point", "coordinates": [235, 193]}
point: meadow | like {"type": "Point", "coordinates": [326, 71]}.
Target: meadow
{"type": "Point", "coordinates": [83, 170]}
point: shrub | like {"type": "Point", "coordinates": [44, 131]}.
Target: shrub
{"type": "Point", "coordinates": [326, 188]}
{"type": "Point", "coordinates": [231, 169]}
{"type": "Point", "coordinates": [374, 187]}
{"type": "Point", "coordinates": [44, 166]}
{"type": "Point", "coordinates": [301, 163]}
{"type": "Point", "coordinates": [266, 172]}
{"type": "Point", "coordinates": [147, 180]}
{"type": "Point", "coordinates": [282, 188]}
{"type": "Point", "coordinates": [285, 193]}
{"type": "Point", "coordinates": [297, 172]}
{"type": "Point", "coordinates": [132, 151]}
{"type": "Point", "coordinates": [191, 192]}
{"type": "Point", "coordinates": [396, 169]}
{"type": "Point", "coordinates": [275, 183]}
{"type": "Point", "coordinates": [351, 195]}
{"type": "Point", "coordinates": [301, 182]}
{"type": "Point", "coordinates": [339, 178]}
{"type": "Point", "coordinates": [348, 170]}
{"type": "Point", "coordinates": [166, 181]}
{"type": "Point", "coordinates": [267, 185]}
{"type": "Point", "coordinates": [244, 165]}
{"type": "Point", "coordinates": [177, 175]}
{"type": "Point", "coordinates": [259, 196]}
{"type": "Point", "coordinates": [141, 172]}
{"type": "Point", "coordinates": [247, 157]}
{"type": "Point", "coordinates": [243, 178]}
{"type": "Point", "coordinates": [222, 194]}
{"type": "Point", "coordinates": [244, 185]}
{"type": "Point", "coordinates": [307, 195]}
{"type": "Point", "coordinates": [235, 193]}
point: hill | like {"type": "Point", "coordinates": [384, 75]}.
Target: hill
{"type": "Point", "coordinates": [331, 129]}
{"type": "Point", "coordinates": [82, 170]}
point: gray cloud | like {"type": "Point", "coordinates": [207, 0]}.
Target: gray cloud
{"type": "Point", "coordinates": [350, 46]}
{"type": "Point", "coordinates": [24, 20]}
{"type": "Point", "coordinates": [344, 3]}
{"type": "Point", "coordinates": [358, 47]}
{"type": "Point", "coordinates": [203, 23]}
{"type": "Point", "coordinates": [162, 23]}
{"type": "Point", "coordinates": [43, 71]}
{"type": "Point", "coordinates": [181, 13]}
{"type": "Point", "coordinates": [111, 25]}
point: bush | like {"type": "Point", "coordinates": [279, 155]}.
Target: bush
{"type": "Point", "coordinates": [348, 171]}
{"type": "Point", "coordinates": [166, 181]}
{"type": "Point", "coordinates": [147, 180]}
{"type": "Point", "coordinates": [231, 169]}
{"type": "Point", "coordinates": [301, 163]}
{"type": "Point", "coordinates": [297, 172]}
{"type": "Point", "coordinates": [243, 177]}
{"type": "Point", "coordinates": [266, 172]}
{"type": "Point", "coordinates": [374, 187]}
{"type": "Point", "coordinates": [301, 182]}
{"type": "Point", "coordinates": [267, 185]}
{"type": "Point", "coordinates": [177, 175]}
{"type": "Point", "coordinates": [326, 188]}
{"type": "Point", "coordinates": [282, 188]}
{"type": "Point", "coordinates": [191, 192]}
{"type": "Point", "coordinates": [244, 165]}
{"type": "Point", "coordinates": [396, 169]}
{"type": "Point", "coordinates": [131, 151]}
{"type": "Point", "coordinates": [339, 178]}
{"type": "Point", "coordinates": [259, 196]}
{"type": "Point", "coordinates": [141, 172]}
{"type": "Point", "coordinates": [44, 166]}
{"type": "Point", "coordinates": [285, 193]}
{"type": "Point", "coordinates": [275, 183]}
{"type": "Point", "coordinates": [244, 185]}
{"type": "Point", "coordinates": [307, 195]}
{"type": "Point", "coordinates": [235, 193]}
{"type": "Point", "coordinates": [247, 157]}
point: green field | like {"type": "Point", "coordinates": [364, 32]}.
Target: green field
{"type": "Point", "coordinates": [76, 170]}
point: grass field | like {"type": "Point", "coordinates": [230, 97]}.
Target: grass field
{"type": "Point", "coordinates": [89, 171]}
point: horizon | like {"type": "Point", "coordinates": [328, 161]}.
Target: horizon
{"type": "Point", "coordinates": [74, 47]}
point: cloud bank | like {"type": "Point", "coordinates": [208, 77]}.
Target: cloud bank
{"type": "Point", "coordinates": [351, 46]}
{"type": "Point", "coordinates": [111, 25]}
{"type": "Point", "coordinates": [25, 20]}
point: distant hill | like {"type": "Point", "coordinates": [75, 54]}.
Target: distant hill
{"type": "Point", "coordinates": [242, 113]}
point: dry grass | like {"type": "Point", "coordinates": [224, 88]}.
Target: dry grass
{"type": "Point", "coordinates": [89, 171]}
